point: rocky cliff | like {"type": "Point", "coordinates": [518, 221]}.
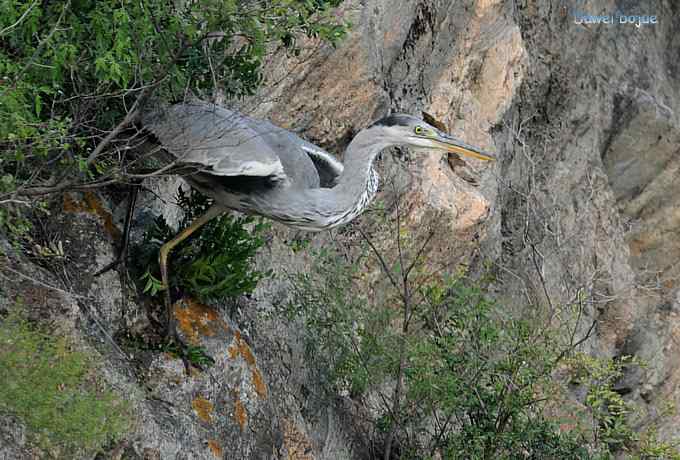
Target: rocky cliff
{"type": "Point", "coordinates": [583, 203]}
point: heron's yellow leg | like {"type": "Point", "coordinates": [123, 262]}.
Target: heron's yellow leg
{"type": "Point", "coordinates": [210, 214]}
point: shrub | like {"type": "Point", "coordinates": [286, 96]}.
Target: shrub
{"type": "Point", "coordinates": [214, 264]}
{"type": "Point", "coordinates": [444, 371]}
{"type": "Point", "coordinates": [56, 392]}
{"type": "Point", "coordinates": [76, 73]}
{"type": "Point", "coordinates": [471, 380]}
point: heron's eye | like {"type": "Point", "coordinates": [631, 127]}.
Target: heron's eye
{"type": "Point", "coordinates": [419, 130]}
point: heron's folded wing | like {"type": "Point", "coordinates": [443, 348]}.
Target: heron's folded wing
{"type": "Point", "coordinates": [295, 148]}
{"type": "Point", "coordinates": [216, 138]}
{"type": "Point", "coordinates": [329, 168]}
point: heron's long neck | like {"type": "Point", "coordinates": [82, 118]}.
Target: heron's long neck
{"type": "Point", "coordinates": [358, 181]}
{"type": "Point", "coordinates": [322, 208]}
{"type": "Point", "coordinates": [358, 161]}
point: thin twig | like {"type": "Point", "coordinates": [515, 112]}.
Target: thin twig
{"type": "Point", "coordinates": [41, 283]}
{"type": "Point", "coordinates": [23, 16]}
{"type": "Point", "coordinates": [383, 264]}
{"type": "Point", "coordinates": [129, 118]}
{"type": "Point", "coordinates": [13, 201]}
{"type": "Point", "coordinates": [420, 252]}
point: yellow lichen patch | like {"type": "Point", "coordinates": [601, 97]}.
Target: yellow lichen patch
{"type": "Point", "coordinates": [215, 448]}
{"type": "Point", "coordinates": [298, 445]}
{"type": "Point", "coordinates": [92, 205]}
{"type": "Point", "coordinates": [240, 414]}
{"type": "Point", "coordinates": [203, 408]}
{"type": "Point", "coordinates": [240, 347]}
{"type": "Point", "coordinates": [233, 352]}
{"type": "Point", "coordinates": [258, 382]}
{"type": "Point", "coordinates": [195, 319]}
{"type": "Point", "coordinates": [244, 349]}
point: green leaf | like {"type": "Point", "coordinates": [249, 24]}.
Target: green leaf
{"type": "Point", "coordinates": [38, 104]}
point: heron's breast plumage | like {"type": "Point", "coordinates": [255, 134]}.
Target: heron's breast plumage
{"type": "Point", "coordinates": [313, 209]}
{"type": "Point", "coordinates": [364, 200]}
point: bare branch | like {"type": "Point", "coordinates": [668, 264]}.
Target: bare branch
{"type": "Point", "coordinates": [129, 118]}
{"type": "Point", "coordinates": [383, 264]}
{"type": "Point", "coordinates": [41, 283]}
{"type": "Point", "coordinates": [420, 252]}
{"type": "Point", "coordinates": [14, 201]}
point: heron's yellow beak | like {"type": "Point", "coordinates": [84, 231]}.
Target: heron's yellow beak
{"type": "Point", "coordinates": [451, 144]}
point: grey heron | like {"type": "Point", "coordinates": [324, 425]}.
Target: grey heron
{"type": "Point", "coordinates": [255, 167]}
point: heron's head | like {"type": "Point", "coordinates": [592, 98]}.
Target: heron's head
{"type": "Point", "coordinates": [401, 129]}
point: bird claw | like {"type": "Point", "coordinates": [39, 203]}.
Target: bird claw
{"type": "Point", "coordinates": [108, 267]}
{"type": "Point", "coordinates": [172, 337]}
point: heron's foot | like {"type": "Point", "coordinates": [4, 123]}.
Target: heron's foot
{"type": "Point", "coordinates": [122, 255]}
{"type": "Point", "coordinates": [110, 266]}
{"type": "Point", "coordinates": [176, 345]}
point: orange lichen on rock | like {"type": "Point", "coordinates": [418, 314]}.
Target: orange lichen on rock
{"type": "Point", "coordinates": [298, 445]}
{"type": "Point", "coordinates": [195, 319]}
{"type": "Point", "coordinates": [203, 408]}
{"type": "Point", "coordinates": [240, 347]}
{"type": "Point", "coordinates": [245, 351]}
{"type": "Point", "coordinates": [232, 351]}
{"type": "Point", "coordinates": [91, 204]}
{"type": "Point", "coordinates": [258, 382]}
{"type": "Point", "coordinates": [70, 205]}
{"type": "Point", "coordinates": [240, 414]}
{"type": "Point", "coordinates": [215, 448]}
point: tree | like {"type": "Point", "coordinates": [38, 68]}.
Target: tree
{"type": "Point", "coordinates": [439, 369]}
{"type": "Point", "coordinates": [74, 76]}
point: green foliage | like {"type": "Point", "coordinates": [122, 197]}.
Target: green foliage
{"type": "Point", "coordinates": [196, 355]}
{"type": "Point", "coordinates": [611, 412]}
{"type": "Point", "coordinates": [152, 285]}
{"type": "Point", "coordinates": [299, 243]}
{"type": "Point", "coordinates": [607, 406]}
{"type": "Point", "coordinates": [337, 323]}
{"type": "Point", "coordinates": [488, 371]}
{"type": "Point", "coordinates": [56, 393]}
{"type": "Point", "coordinates": [650, 447]}
{"type": "Point", "coordinates": [71, 70]}
{"type": "Point", "coordinates": [213, 264]}
{"type": "Point", "coordinates": [477, 381]}
{"type": "Point", "coordinates": [477, 373]}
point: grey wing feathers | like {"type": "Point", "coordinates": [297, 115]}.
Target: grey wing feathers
{"type": "Point", "coordinates": [222, 141]}
{"type": "Point", "coordinates": [328, 168]}
{"type": "Point", "coordinates": [327, 165]}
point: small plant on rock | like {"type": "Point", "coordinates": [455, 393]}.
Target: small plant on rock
{"type": "Point", "coordinates": [214, 264]}
{"type": "Point", "coordinates": [55, 391]}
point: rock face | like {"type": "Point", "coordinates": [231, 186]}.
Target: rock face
{"type": "Point", "coordinates": [584, 202]}
{"type": "Point", "coordinates": [584, 118]}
